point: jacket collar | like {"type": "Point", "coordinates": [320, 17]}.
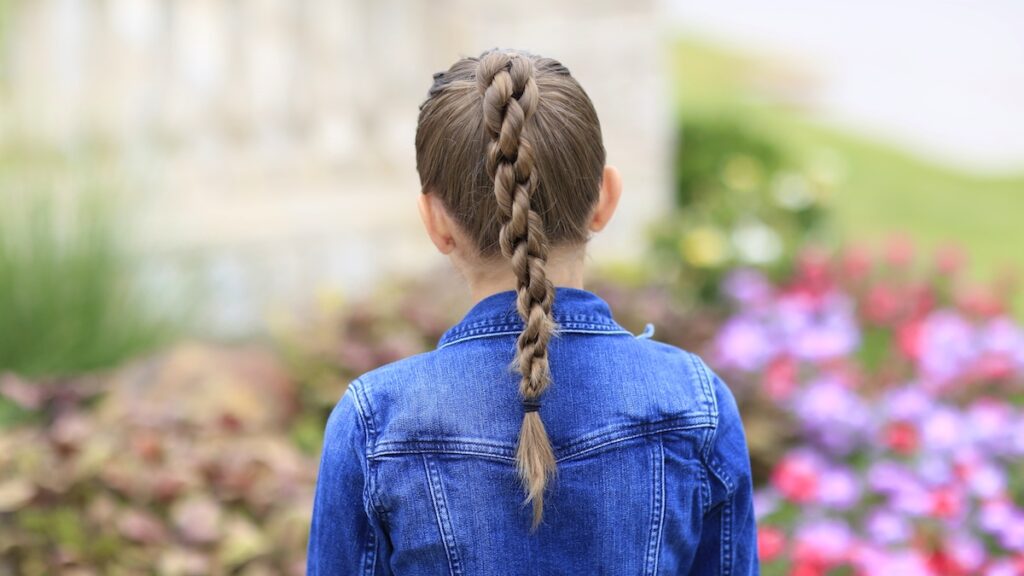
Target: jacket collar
{"type": "Point", "coordinates": [574, 310]}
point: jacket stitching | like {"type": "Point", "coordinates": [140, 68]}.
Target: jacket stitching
{"type": "Point", "coordinates": [620, 439]}
{"type": "Point", "coordinates": [568, 452]}
{"type": "Point", "coordinates": [626, 432]}
{"type": "Point", "coordinates": [705, 489]}
{"type": "Point", "coordinates": [443, 518]}
{"type": "Point", "coordinates": [657, 505]}
{"type": "Point", "coordinates": [363, 404]}
{"type": "Point", "coordinates": [727, 554]}
{"type": "Point", "coordinates": [722, 475]}
{"type": "Point", "coordinates": [370, 552]}
{"type": "Point", "coordinates": [710, 399]}
{"type": "Point", "coordinates": [441, 451]}
{"type": "Point", "coordinates": [569, 328]}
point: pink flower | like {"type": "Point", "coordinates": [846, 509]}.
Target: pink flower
{"type": "Point", "coordinates": [770, 543]}
{"type": "Point", "coordinates": [947, 502]}
{"type": "Point", "coordinates": [780, 378]}
{"type": "Point", "coordinates": [901, 437]}
{"type": "Point", "coordinates": [797, 477]}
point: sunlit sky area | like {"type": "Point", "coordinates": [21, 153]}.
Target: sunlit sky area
{"type": "Point", "coordinates": [943, 78]}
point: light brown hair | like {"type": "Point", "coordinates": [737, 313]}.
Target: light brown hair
{"type": "Point", "coordinates": [511, 145]}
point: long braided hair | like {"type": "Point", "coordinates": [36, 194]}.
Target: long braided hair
{"type": "Point", "coordinates": [512, 145]}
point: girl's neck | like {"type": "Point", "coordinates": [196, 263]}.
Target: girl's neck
{"type": "Point", "coordinates": [564, 268]}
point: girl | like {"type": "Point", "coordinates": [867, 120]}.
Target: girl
{"type": "Point", "coordinates": [540, 437]}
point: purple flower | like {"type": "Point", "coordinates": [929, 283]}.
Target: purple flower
{"type": "Point", "coordinates": [748, 287]}
{"type": "Point", "coordinates": [1011, 536]}
{"type": "Point", "coordinates": [1004, 337]}
{"type": "Point", "coordinates": [765, 502]}
{"type": "Point", "coordinates": [934, 469]}
{"type": "Point", "coordinates": [818, 332]}
{"type": "Point", "coordinates": [943, 429]}
{"type": "Point", "coordinates": [948, 346]}
{"type": "Point", "coordinates": [835, 416]}
{"type": "Point", "coordinates": [1002, 568]}
{"type": "Point", "coordinates": [996, 516]}
{"type": "Point", "coordinates": [745, 343]}
{"type": "Point", "coordinates": [911, 498]}
{"type": "Point", "coordinates": [907, 403]}
{"type": "Point", "coordinates": [987, 481]}
{"type": "Point", "coordinates": [829, 538]}
{"type": "Point", "coordinates": [990, 424]}
{"type": "Point", "coordinates": [839, 489]}
{"type": "Point", "coordinates": [903, 562]}
{"type": "Point", "coordinates": [1016, 433]}
{"type": "Point", "coordinates": [888, 477]}
{"type": "Point", "coordinates": [886, 527]}
{"type": "Point", "coordinates": [968, 552]}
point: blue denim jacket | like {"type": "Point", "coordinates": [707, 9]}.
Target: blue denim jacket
{"type": "Point", "coordinates": [418, 476]}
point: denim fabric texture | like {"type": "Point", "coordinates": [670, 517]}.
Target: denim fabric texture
{"type": "Point", "coordinates": [418, 477]}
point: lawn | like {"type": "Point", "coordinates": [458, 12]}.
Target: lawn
{"type": "Point", "coordinates": [886, 191]}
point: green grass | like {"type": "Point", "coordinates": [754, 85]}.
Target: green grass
{"type": "Point", "coordinates": [884, 190]}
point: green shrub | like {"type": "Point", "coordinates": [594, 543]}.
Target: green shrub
{"type": "Point", "coordinates": [740, 198]}
{"type": "Point", "coordinates": [69, 297]}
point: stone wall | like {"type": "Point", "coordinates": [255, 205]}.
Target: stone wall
{"type": "Point", "coordinates": [272, 140]}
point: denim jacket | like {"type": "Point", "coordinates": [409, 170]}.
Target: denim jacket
{"type": "Point", "coordinates": [418, 474]}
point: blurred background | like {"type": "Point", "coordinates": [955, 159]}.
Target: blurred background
{"type": "Point", "coordinates": [208, 227]}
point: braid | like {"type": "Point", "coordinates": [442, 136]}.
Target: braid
{"type": "Point", "coordinates": [510, 98]}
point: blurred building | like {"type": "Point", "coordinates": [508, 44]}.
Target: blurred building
{"type": "Point", "coordinates": [271, 141]}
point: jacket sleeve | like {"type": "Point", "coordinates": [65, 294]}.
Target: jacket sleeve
{"type": "Point", "coordinates": [344, 535]}
{"type": "Point", "coordinates": [728, 543]}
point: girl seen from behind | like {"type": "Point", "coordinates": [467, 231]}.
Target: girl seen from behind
{"type": "Point", "coordinates": [539, 437]}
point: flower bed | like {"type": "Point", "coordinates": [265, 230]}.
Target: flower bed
{"type": "Point", "coordinates": [903, 394]}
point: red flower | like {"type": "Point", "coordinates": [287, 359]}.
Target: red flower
{"type": "Point", "coordinates": [882, 304]}
{"type": "Point", "coordinates": [940, 562]}
{"type": "Point", "coordinates": [796, 478]}
{"type": "Point", "coordinates": [780, 378]}
{"type": "Point", "coordinates": [770, 543]}
{"type": "Point", "coordinates": [808, 569]}
{"type": "Point", "coordinates": [946, 502]}
{"type": "Point", "coordinates": [901, 437]}
{"type": "Point", "coordinates": [908, 337]}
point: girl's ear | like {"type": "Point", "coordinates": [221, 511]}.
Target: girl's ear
{"type": "Point", "coordinates": [437, 223]}
{"type": "Point", "coordinates": [608, 200]}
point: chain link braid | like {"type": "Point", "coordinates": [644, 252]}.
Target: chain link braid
{"type": "Point", "coordinates": [511, 145]}
{"type": "Point", "coordinates": [510, 98]}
